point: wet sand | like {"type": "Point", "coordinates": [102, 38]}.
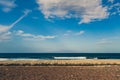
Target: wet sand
{"type": "Point", "coordinates": [106, 70]}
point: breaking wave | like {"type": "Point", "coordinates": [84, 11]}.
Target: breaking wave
{"type": "Point", "coordinates": [70, 58]}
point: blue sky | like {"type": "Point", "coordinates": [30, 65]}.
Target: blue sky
{"type": "Point", "coordinates": [80, 26]}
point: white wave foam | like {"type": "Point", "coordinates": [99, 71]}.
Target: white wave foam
{"type": "Point", "coordinates": [74, 58]}
{"type": "Point", "coordinates": [23, 59]}
{"type": "Point", "coordinates": [4, 59]}
{"type": "Point", "coordinates": [16, 59]}
{"type": "Point", "coordinates": [95, 58]}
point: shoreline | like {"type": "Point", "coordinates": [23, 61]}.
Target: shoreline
{"type": "Point", "coordinates": [60, 70]}
{"type": "Point", "coordinates": [60, 62]}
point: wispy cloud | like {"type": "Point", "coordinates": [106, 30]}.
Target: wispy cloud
{"type": "Point", "coordinates": [104, 42]}
{"type": "Point", "coordinates": [71, 33]}
{"type": "Point", "coordinates": [80, 33]}
{"type": "Point", "coordinates": [114, 8]}
{"type": "Point", "coordinates": [28, 36]}
{"type": "Point", "coordinates": [7, 5]}
{"type": "Point", "coordinates": [67, 33]}
{"type": "Point", "coordinates": [4, 28]}
{"type": "Point", "coordinates": [86, 10]}
{"type": "Point", "coordinates": [5, 36]}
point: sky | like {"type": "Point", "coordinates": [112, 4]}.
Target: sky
{"type": "Point", "coordinates": [60, 26]}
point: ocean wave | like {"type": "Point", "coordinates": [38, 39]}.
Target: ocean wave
{"type": "Point", "coordinates": [16, 59]}
{"type": "Point", "coordinates": [54, 58]}
{"type": "Point", "coordinates": [71, 58]}
{"type": "Point", "coordinates": [22, 59]}
{"type": "Point", "coordinates": [4, 59]}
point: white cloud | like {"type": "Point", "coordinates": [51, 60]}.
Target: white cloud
{"type": "Point", "coordinates": [68, 33]}
{"type": "Point", "coordinates": [3, 28]}
{"type": "Point", "coordinates": [86, 10]}
{"type": "Point", "coordinates": [80, 33]}
{"type": "Point", "coordinates": [71, 33]}
{"type": "Point", "coordinates": [28, 36]}
{"type": "Point", "coordinates": [5, 36]}
{"type": "Point", "coordinates": [104, 42]}
{"type": "Point", "coordinates": [19, 32]}
{"type": "Point", "coordinates": [7, 5]}
{"type": "Point", "coordinates": [4, 33]}
{"type": "Point", "coordinates": [114, 8]}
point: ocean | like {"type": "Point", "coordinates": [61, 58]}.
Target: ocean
{"type": "Point", "coordinates": [59, 56]}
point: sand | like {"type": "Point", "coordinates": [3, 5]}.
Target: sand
{"type": "Point", "coordinates": [59, 73]}
{"type": "Point", "coordinates": [106, 70]}
{"type": "Point", "coordinates": [59, 62]}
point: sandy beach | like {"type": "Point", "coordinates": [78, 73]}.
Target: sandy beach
{"type": "Point", "coordinates": [86, 62]}
{"type": "Point", "coordinates": [57, 70]}
{"type": "Point", "coordinates": [59, 73]}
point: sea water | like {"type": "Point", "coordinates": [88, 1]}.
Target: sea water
{"type": "Point", "coordinates": [58, 56]}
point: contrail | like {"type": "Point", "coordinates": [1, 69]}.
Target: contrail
{"type": "Point", "coordinates": [4, 28]}
{"type": "Point", "coordinates": [19, 19]}
{"type": "Point", "coordinates": [4, 34]}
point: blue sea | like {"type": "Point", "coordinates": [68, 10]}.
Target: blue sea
{"type": "Point", "coordinates": [59, 56]}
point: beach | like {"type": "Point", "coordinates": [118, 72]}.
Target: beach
{"type": "Point", "coordinates": [35, 62]}
{"type": "Point", "coordinates": [60, 70]}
